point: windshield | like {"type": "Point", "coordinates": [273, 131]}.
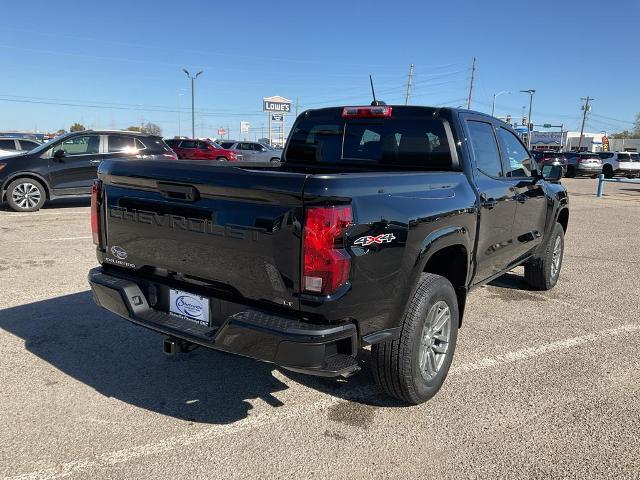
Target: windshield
{"type": "Point", "coordinates": [415, 141]}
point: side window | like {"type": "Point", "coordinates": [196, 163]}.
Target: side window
{"type": "Point", "coordinates": [516, 158]}
{"type": "Point", "coordinates": [120, 143]}
{"type": "Point", "coordinates": [485, 149]}
{"type": "Point", "coordinates": [202, 145]}
{"type": "Point", "coordinates": [188, 144]}
{"type": "Point", "coordinates": [257, 147]}
{"type": "Point", "coordinates": [7, 144]}
{"type": "Point", "coordinates": [81, 145]}
{"type": "Point", "coordinates": [27, 145]}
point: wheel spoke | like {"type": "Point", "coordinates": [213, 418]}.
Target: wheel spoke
{"type": "Point", "coordinates": [442, 318]}
{"type": "Point", "coordinates": [441, 347]}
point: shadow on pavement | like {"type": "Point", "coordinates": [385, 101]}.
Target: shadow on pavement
{"type": "Point", "coordinates": [124, 361]}
{"type": "Point", "coordinates": [511, 281]}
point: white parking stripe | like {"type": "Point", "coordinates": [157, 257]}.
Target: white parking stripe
{"type": "Point", "coordinates": [39, 214]}
{"type": "Point", "coordinates": [45, 240]}
{"type": "Point", "coordinates": [124, 455]}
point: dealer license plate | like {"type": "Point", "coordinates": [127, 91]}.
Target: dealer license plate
{"type": "Point", "coordinates": [189, 306]}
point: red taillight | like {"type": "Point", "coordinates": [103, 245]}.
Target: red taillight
{"type": "Point", "coordinates": [380, 111]}
{"type": "Point", "coordinates": [96, 190]}
{"type": "Point", "coordinates": [172, 156]}
{"type": "Point", "coordinates": [325, 261]}
{"type": "Point", "coordinates": [232, 155]}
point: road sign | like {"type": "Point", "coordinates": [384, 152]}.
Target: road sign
{"type": "Point", "coordinates": [221, 132]}
{"type": "Point", "coordinates": [276, 104]}
{"type": "Point", "coordinates": [547, 125]}
{"type": "Point", "coordinates": [277, 117]}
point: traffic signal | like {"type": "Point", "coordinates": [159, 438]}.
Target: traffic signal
{"type": "Point", "coordinates": [531, 127]}
{"type": "Point", "coordinates": [524, 121]}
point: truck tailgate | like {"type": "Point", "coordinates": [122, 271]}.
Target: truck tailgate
{"type": "Point", "coordinates": [234, 229]}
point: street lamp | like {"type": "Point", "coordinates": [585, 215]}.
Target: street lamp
{"type": "Point", "coordinates": [193, 116]}
{"type": "Point", "coordinates": [493, 105]}
{"type": "Point", "coordinates": [530, 92]}
{"type": "Point", "coordinates": [178, 101]}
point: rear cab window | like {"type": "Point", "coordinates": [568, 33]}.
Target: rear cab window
{"type": "Point", "coordinates": [411, 138]}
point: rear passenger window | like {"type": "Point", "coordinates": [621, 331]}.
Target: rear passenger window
{"type": "Point", "coordinates": [188, 144]}
{"type": "Point", "coordinates": [121, 143]}
{"type": "Point", "coordinates": [517, 159]}
{"type": "Point", "coordinates": [485, 148]}
{"type": "Point", "coordinates": [7, 145]}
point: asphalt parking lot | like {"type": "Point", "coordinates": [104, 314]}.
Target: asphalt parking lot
{"type": "Point", "coordinates": [543, 384]}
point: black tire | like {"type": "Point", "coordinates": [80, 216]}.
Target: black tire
{"type": "Point", "coordinates": [26, 195]}
{"type": "Point", "coordinates": [608, 171]}
{"type": "Point", "coordinates": [396, 364]}
{"type": "Point", "coordinates": [571, 172]}
{"type": "Point", "coordinates": [222, 159]}
{"type": "Point", "coordinates": [539, 272]}
{"type": "Point", "coordinates": [275, 159]}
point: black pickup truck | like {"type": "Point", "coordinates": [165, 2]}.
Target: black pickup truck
{"type": "Point", "coordinates": [373, 229]}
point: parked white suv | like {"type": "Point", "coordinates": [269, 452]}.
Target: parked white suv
{"type": "Point", "coordinates": [14, 146]}
{"type": "Point", "coordinates": [620, 163]}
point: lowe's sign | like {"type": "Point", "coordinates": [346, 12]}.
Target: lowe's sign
{"type": "Point", "coordinates": [276, 104]}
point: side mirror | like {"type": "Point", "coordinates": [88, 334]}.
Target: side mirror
{"type": "Point", "coordinates": [59, 153]}
{"type": "Point", "coordinates": [552, 173]}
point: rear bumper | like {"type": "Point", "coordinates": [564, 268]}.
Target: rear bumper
{"type": "Point", "coordinates": [325, 350]}
{"type": "Point", "coordinates": [588, 170]}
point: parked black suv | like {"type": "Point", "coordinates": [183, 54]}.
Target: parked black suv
{"type": "Point", "coordinates": [67, 165]}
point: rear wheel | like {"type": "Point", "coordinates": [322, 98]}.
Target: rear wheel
{"type": "Point", "coordinates": [413, 367]}
{"type": "Point", "coordinates": [542, 272]}
{"type": "Point", "coordinates": [26, 195]}
{"type": "Point", "coordinates": [275, 159]}
{"type": "Point", "coordinates": [571, 171]}
{"type": "Point", "coordinates": [608, 171]}
{"type": "Point", "coordinates": [222, 159]}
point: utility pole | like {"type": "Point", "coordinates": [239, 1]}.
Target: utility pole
{"type": "Point", "coordinates": [296, 107]}
{"type": "Point", "coordinates": [193, 115]}
{"type": "Point", "coordinates": [530, 92]}
{"type": "Point", "coordinates": [409, 81]}
{"type": "Point", "coordinates": [473, 77]}
{"type": "Point", "coordinates": [585, 109]}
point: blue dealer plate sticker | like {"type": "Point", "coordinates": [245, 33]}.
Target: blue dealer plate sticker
{"type": "Point", "coordinates": [189, 306]}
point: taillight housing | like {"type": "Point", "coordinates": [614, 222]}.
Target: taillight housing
{"type": "Point", "coordinates": [232, 155]}
{"type": "Point", "coordinates": [379, 111]}
{"type": "Point", "coordinates": [96, 193]}
{"type": "Point", "coordinates": [326, 263]}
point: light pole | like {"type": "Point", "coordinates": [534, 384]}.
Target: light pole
{"type": "Point", "coordinates": [179, 113]}
{"type": "Point", "coordinates": [530, 92]}
{"type": "Point", "coordinates": [193, 115]}
{"type": "Point", "coordinates": [493, 105]}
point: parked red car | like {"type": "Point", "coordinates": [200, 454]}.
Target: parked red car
{"type": "Point", "coordinates": [189, 149]}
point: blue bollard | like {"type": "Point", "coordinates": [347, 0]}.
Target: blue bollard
{"type": "Point", "coordinates": [600, 185]}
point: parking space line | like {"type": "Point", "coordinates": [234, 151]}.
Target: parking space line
{"type": "Point", "coordinates": [107, 459]}
{"type": "Point", "coordinates": [45, 240]}
{"type": "Point", "coordinates": [39, 214]}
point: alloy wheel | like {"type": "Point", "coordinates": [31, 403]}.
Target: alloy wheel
{"type": "Point", "coordinates": [434, 342]}
{"type": "Point", "coordinates": [26, 195]}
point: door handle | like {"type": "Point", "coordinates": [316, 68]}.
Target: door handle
{"type": "Point", "coordinates": [487, 203]}
{"type": "Point", "coordinates": [94, 162]}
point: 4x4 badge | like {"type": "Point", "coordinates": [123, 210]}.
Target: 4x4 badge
{"type": "Point", "coordinates": [369, 240]}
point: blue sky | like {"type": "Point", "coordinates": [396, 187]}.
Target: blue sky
{"type": "Point", "coordinates": [115, 64]}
